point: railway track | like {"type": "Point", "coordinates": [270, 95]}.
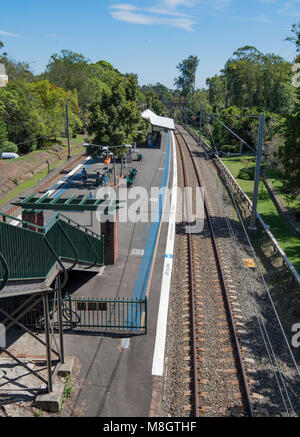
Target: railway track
{"type": "Point", "coordinates": [218, 380]}
{"type": "Point", "coordinates": [14, 210]}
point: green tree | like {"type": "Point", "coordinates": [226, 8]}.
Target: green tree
{"type": "Point", "coordinates": [3, 132]}
{"type": "Point", "coordinates": [200, 97]}
{"type": "Point", "coordinates": [163, 93]}
{"type": "Point", "coordinates": [216, 92]}
{"type": "Point", "coordinates": [186, 81]}
{"type": "Point", "coordinates": [115, 117]}
{"type": "Point", "coordinates": [295, 37]}
{"type": "Point", "coordinates": [153, 103]}
{"type": "Point", "coordinates": [34, 111]}
{"type": "Point", "coordinates": [254, 79]}
{"type": "Point", "coordinates": [290, 152]}
{"type": "Point", "coordinates": [70, 70]}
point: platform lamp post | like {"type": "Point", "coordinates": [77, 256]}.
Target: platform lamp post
{"type": "Point", "coordinates": [252, 226]}
{"type": "Point", "coordinates": [114, 164]}
{"type": "Point", "coordinates": [106, 149]}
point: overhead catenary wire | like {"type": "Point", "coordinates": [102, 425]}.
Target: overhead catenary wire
{"type": "Point", "coordinates": [212, 137]}
{"type": "Point", "coordinates": [235, 134]}
{"type": "Point", "coordinates": [261, 323]}
{"type": "Point", "coordinates": [283, 389]}
{"type": "Point", "coordinates": [35, 139]}
{"type": "Point", "coordinates": [265, 284]}
{"type": "Point", "coordinates": [273, 307]}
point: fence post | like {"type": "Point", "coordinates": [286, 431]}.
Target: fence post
{"type": "Point", "coordinates": [146, 316]}
{"type": "Point", "coordinates": [70, 309]}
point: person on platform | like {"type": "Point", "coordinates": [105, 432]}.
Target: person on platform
{"type": "Point", "coordinates": [84, 176]}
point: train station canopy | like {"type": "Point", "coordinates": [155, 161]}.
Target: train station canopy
{"type": "Point", "coordinates": [73, 203]}
{"type": "Point", "coordinates": [157, 122]}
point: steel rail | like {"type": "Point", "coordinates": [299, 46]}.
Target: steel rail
{"type": "Point", "coordinates": [248, 202]}
{"type": "Point", "coordinates": [192, 286]}
{"type": "Point", "coordinates": [218, 260]}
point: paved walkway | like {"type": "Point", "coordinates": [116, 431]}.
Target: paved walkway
{"type": "Point", "coordinates": [115, 376]}
{"type": "Point", "coordinates": [115, 372]}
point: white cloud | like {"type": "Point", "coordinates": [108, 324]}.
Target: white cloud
{"type": "Point", "coordinates": [151, 16]}
{"type": "Point", "coordinates": [175, 3]}
{"type": "Point", "coordinates": [3, 32]}
{"type": "Point", "coordinates": [176, 13]}
{"type": "Point", "coordinates": [290, 8]}
{"type": "Point", "coordinates": [55, 36]}
{"type": "Point", "coordinates": [130, 16]}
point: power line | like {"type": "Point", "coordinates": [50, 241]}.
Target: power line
{"type": "Point", "coordinates": [235, 134]}
{"type": "Point", "coordinates": [30, 141]}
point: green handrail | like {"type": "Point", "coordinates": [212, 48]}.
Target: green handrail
{"type": "Point", "coordinates": [96, 256]}
{"type": "Point", "coordinates": [24, 255]}
{"type": "Point", "coordinates": [6, 269]}
{"type": "Point", "coordinates": [64, 283]}
{"type": "Point", "coordinates": [72, 245]}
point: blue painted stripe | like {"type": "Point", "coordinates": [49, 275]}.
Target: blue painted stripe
{"type": "Point", "coordinates": [140, 288]}
{"type": "Point", "coordinates": [73, 179]}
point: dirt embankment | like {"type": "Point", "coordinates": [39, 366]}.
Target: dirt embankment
{"type": "Point", "coordinates": [15, 172]}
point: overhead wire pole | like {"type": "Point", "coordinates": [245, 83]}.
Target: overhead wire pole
{"type": "Point", "coordinates": [200, 121]}
{"type": "Point", "coordinates": [258, 152]}
{"type": "Point", "coordinates": [252, 226]}
{"type": "Point", "coordinates": [68, 129]}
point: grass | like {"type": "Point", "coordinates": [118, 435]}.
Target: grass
{"type": "Point", "coordinates": [68, 389]}
{"type": "Point", "coordinates": [29, 183]}
{"type": "Point", "coordinates": [295, 205]}
{"type": "Point", "coordinates": [281, 231]}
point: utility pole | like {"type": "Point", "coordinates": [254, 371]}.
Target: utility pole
{"type": "Point", "coordinates": [68, 129]}
{"type": "Point", "coordinates": [200, 125]}
{"type": "Point", "coordinates": [252, 226]}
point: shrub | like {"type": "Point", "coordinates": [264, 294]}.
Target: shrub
{"type": "Point", "coordinates": [8, 146]}
{"type": "Point", "coordinates": [247, 174]}
{"type": "Point", "coordinates": [230, 149]}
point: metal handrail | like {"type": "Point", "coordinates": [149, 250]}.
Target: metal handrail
{"type": "Point", "coordinates": [6, 269]}
{"type": "Point", "coordinates": [50, 223]}
{"type": "Point", "coordinates": [84, 244]}
{"type": "Point", "coordinates": [60, 263]}
{"type": "Point", "coordinates": [5, 216]}
{"type": "Point", "coordinates": [75, 261]}
{"type": "Point", "coordinates": [96, 255]}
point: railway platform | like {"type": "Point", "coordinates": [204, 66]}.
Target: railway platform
{"type": "Point", "coordinates": [115, 376]}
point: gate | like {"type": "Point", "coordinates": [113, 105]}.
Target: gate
{"type": "Point", "coordinates": [96, 314]}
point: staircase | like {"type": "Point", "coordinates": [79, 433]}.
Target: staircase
{"type": "Point", "coordinates": [31, 257]}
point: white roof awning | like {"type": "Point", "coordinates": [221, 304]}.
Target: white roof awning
{"type": "Point", "coordinates": [157, 121]}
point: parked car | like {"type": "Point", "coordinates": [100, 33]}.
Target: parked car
{"type": "Point", "coordinates": [9, 155]}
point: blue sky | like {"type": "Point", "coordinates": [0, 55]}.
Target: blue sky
{"type": "Point", "coordinates": [147, 37]}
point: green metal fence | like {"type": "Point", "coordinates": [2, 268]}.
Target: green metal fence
{"type": "Point", "coordinates": [95, 314]}
{"type": "Point", "coordinates": [30, 254]}
{"type": "Point", "coordinates": [119, 314]}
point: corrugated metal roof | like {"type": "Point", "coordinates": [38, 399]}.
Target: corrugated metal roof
{"type": "Point", "coordinates": [156, 120]}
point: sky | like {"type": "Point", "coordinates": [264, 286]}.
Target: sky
{"type": "Point", "coordinates": [147, 37]}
